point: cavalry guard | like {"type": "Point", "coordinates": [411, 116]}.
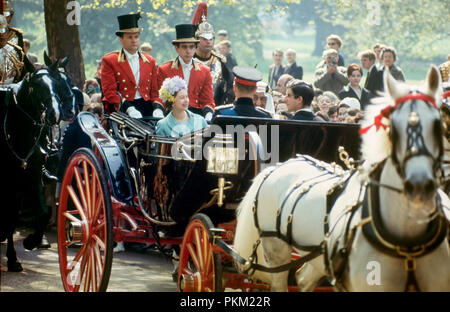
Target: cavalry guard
{"type": "Point", "coordinates": [222, 78]}
{"type": "Point", "coordinates": [129, 75]}
{"type": "Point", "coordinates": [197, 76]}
{"type": "Point", "coordinates": [245, 86]}
{"type": "Point", "coordinates": [13, 62]}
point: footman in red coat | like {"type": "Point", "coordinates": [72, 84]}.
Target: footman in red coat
{"type": "Point", "coordinates": [129, 77]}
{"type": "Point", "coordinates": [197, 76]}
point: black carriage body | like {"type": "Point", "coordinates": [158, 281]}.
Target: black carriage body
{"type": "Point", "coordinates": [111, 157]}
{"type": "Point", "coordinates": [170, 175]}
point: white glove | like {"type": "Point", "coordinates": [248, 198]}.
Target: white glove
{"type": "Point", "coordinates": [158, 113]}
{"type": "Point", "coordinates": [208, 116]}
{"type": "Point", "coordinates": [133, 112]}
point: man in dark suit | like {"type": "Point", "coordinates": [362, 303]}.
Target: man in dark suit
{"type": "Point", "coordinates": [292, 68]}
{"type": "Point", "coordinates": [225, 50]}
{"type": "Point", "coordinates": [374, 79]}
{"type": "Point", "coordinates": [276, 69]}
{"type": "Point", "coordinates": [245, 79]}
{"type": "Point", "coordinates": [299, 95]}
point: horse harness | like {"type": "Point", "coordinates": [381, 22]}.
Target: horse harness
{"type": "Point", "coordinates": [41, 124]}
{"type": "Point", "coordinates": [371, 222]}
{"type": "Point", "coordinates": [303, 187]}
{"type": "Point", "coordinates": [375, 232]}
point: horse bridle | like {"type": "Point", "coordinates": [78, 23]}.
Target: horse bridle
{"type": "Point", "coordinates": [415, 141]}
{"type": "Point", "coordinates": [41, 124]}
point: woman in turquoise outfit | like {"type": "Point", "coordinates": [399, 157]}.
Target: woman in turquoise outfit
{"type": "Point", "coordinates": [180, 120]}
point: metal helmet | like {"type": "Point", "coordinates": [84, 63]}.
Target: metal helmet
{"type": "Point", "coordinates": [203, 28]}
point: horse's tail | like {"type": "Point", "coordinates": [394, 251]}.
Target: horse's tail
{"type": "Point", "coordinates": [246, 231]}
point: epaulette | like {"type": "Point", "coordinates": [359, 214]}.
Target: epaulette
{"type": "Point", "coordinates": [20, 31]}
{"type": "Point", "coordinates": [222, 58]}
{"type": "Point", "coordinates": [224, 106]}
{"type": "Point", "coordinates": [111, 53]}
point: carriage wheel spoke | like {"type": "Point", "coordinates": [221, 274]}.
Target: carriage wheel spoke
{"type": "Point", "coordinates": [94, 271]}
{"type": "Point", "coordinates": [199, 248]}
{"type": "Point", "coordinates": [71, 217]}
{"type": "Point", "coordinates": [187, 271]}
{"type": "Point", "coordinates": [94, 192]}
{"type": "Point", "coordinates": [193, 256]}
{"type": "Point", "coordinates": [99, 227]}
{"type": "Point", "coordinates": [88, 277]}
{"type": "Point", "coordinates": [207, 252]}
{"type": "Point", "coordinates": [99, 260]}
{"type": "Point", "coordinates": [76, 202]}
{"type": "Point", "coordinates": [97, 210]}
{"type": "Point", "coordinates": [87, 189]}
{"type": "Point", "coordinates": [99, 242]}
{"type": "Point", "coordinates": [80, 274]}
{"type": "Point", "coordinates": [80, 186]}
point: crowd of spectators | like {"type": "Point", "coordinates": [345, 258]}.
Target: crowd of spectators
{"type": "Point", "coordinates": [340, 94]}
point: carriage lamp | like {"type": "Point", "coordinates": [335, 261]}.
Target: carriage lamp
{"type": "Point", "coordinates": [222, 160]}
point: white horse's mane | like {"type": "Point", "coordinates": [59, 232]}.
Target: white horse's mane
{"type": "Point", "coordinates": [376, 144]}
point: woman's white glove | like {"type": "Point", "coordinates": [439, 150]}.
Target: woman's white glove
{"type": "Point", "coordinates": [133, 112]}
{"type": "Point", "coordinates": [208, 116]}
{"type": "Point", "coordinates": [158, 113]}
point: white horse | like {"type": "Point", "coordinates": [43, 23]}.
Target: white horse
{"type": "Point", "coordinates": [393, 198]}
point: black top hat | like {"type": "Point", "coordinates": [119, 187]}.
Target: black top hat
{"type": "Point", "coordinates": [128, 23]}
{"type": "Point", "coordinates": [185, 34]}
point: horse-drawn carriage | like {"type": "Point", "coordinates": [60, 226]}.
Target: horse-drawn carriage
{"type": "Point", "coordinates": [135, 186]}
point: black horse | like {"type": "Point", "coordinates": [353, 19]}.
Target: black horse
{"type": "Point", "coordinates": [43, 99]}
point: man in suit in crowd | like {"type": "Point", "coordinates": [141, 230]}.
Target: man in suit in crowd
{"type": "Point", "coordinates": [299, 95]}
{"type": "Point", "coordinates": [225, 50]}
{"type": "Point", "coordinates": [245, 86]}
{"type": "Point", "coordinates": [130, 73]}
{"type": "Point", "coordinates": [292, 68]}
{"type": "Point", "coordinates": [374, 79]}
{"type": "Point", "coordinates": [197, 76]}
{"type": "Point", "coordinates": [276, 69]}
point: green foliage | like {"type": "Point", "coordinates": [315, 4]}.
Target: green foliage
{"type": "Point", "coordinates": [418, 29]}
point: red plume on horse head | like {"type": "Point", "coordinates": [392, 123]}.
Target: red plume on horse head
{"type": "Point", "coordinates": [201, 13]}
{"type": "Point", "coordinates": [2, 6]}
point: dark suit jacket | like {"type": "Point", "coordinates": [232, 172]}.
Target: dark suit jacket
{"type": "Point", "coordinates": [242, 107]}
{"type": "Point", "coordinates": [349, 92]}
{"type": "Point", "coordinates": [273, 77]}
{"type": "Point", "coordinates": [231, 62]}
{"type": "Point", "coordinates": [305, 115]}
{"type": "Point", "coordinates": [294, 70]}
{"type": "Point", "coordinates": [374, 81]}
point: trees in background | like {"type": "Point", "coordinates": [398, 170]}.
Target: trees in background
{"type": "Point", "coordinates": [418, 29]}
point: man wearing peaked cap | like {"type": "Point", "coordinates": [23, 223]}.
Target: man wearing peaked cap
{"type": "Point", "coordinates": [130, 76]}
{"type": "Point", "coordinates": [197, 76]}
{"type": "Point", "coordinates": [245, 86]}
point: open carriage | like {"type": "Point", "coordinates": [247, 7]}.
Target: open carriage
{"type": "Point", "coordinates": [135, 186]}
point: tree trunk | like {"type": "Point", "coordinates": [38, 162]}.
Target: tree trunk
{"type": "Point", "coordinates": [64, 39]}
{"type": "Point", "coordinates": [323, 30]}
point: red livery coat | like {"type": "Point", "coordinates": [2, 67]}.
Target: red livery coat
{"type": "Point", "coordinates": [116, 69]}
{"type": "Point", "coordinates": [200, 90]}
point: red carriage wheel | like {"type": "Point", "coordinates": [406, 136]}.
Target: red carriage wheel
{"type": "Point", "coordinates": [200, 270]}
{"type": "Point", "coordinates": [85, 221]}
